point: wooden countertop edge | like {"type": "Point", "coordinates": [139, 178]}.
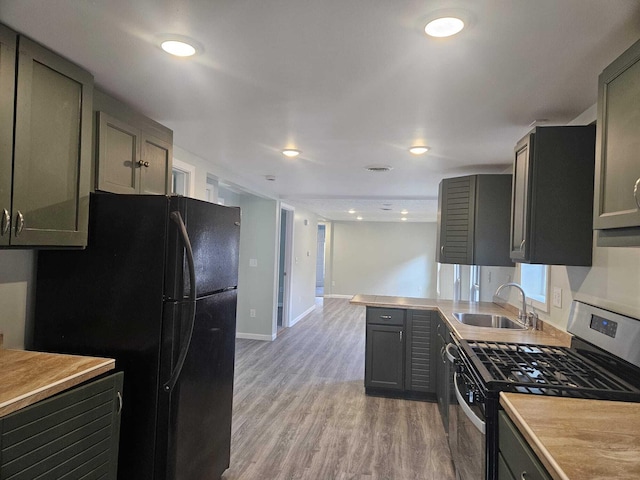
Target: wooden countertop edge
{"type": "Point", "coordinates": [554, 469]}
{"type": "Point", "coordinates": [53, 388]}
{"type": "Point", "coordinates": [548, 334]}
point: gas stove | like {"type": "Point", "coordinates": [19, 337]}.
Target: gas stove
{"type": "Point", "coordinates": [602, 362]}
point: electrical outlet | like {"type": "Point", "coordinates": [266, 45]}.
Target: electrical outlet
{"type": "Point", "coordinates": [253, 262]}
{"type": "Point", "coordinates": [557, 297]}
{"type": "Point", "coordinates": [252, 313]}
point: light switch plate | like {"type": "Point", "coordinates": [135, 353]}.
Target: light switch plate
{"type": "Point", "coordinates": [557, 297]}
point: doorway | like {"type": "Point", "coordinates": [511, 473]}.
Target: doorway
{"type": "Point", "coordinates": [284, 266]}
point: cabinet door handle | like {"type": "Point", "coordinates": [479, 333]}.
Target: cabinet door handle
{"type": "Point", "coordinates": [141, 163]}
{"type": "Point", "coordinates": [385, 317]}
{"type": "Point", "coordinates": [442, 250]}
{"type": "Point", "coordinates": [400, 335]}
{"type": "Point", "coordinates": [636, 190]}
{"type": "Point", "coordinates": [522, 245]}
{"type": "Point", "coordinates": [119, 410]}
{"type": "Point", "coordinates": [523, 476]}
{"type": "Point", "coordinates": [19, 223]}
{"type": "Point", "coordinates": [5, 223]}
{"type": "Point", "coordinates": [146, 164]}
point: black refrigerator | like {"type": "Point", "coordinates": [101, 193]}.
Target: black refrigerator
{"type": "Point", "coordinates": [156, 290]}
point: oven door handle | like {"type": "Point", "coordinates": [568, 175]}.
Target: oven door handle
{"type": "Point", "coordinates": [477, 421]}
{"type": "Point", "coordinates": [448, 351]}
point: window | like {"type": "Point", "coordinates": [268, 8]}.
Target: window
{"type": "Point", "coordinates": [534, 280]}
{"type": "Point", "coordinates": [182, 178]}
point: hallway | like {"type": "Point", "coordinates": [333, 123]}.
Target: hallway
{"type": "Point", "coordinates": [300, 411]}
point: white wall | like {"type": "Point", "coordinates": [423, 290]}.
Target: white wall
{"type": "Point", "coordinates": [381, 258]}
{"type": "Point", "coordinates": [17, 294]}
{"type": "Point", "coordinates": [257, 284]}
{"type": "Point", "coordinates": [303, 264]}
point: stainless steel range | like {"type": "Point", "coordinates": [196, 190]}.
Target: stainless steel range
{"type": "Point", "coordinates": [603, 362]}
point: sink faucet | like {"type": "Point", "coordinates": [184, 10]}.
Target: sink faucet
{"type": "Point", "coordinates": [522, 315]}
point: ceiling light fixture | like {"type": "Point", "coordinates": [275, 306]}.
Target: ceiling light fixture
{"type": "Point", "coordinates": [177, 48]}
{"type": "Point", "coordinates": [352, 211]}
{"type": "Point", "coordinates": [404, 211]}
{"type": "Point", "coordinates": [291, 152]}
{"type": "Point", "coordinates": [358, 217]}
{"type": "Point", "coordinates": [404, 219]}
{"type": "Point", "coordinates": [419, 149]}
{"type": "Point", "coordinates": [444, 27]}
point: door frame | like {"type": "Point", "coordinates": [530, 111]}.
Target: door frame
{"type": "Point", "coordinates": [289, 212]}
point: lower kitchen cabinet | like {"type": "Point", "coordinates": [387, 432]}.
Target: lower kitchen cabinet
{"type": "Point", "coordinates": [516, 459]}
{"type": "Point", "coordinates": [400, 352]}
{"type": "Point", "coordinates": [71, 435]}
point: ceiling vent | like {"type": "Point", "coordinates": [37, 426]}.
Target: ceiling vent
{"type": "Point", "coordinates": [379, 168]}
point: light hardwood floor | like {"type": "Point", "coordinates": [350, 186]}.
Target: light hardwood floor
{"type": "Point", "coordinates": [300, 411]}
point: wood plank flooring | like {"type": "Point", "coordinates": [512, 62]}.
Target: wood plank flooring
{"type": "Point", "coordinates": [300, 411]}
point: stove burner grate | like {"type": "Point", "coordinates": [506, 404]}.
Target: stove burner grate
{"type": "Point", "coordinates": [545, 369]}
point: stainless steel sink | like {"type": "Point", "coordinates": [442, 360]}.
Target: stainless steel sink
{"type": "Point", "coordinates": [487, 320]}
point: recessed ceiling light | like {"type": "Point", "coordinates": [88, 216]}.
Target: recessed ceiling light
{"type": "Point", "coordinates": [271, 178]}
{"type": "Point", "coordinates": [290, 152]}
{"type": "Point", "coordinates": [444, 27]}
{"type": "Point", "coordinates": [181, 47]}
{"type": "Point", "coordinates": [404, 219]}
{"type": "Point", "coordinates": [358, 217]}
{"type": "Point", "coordinates": [404, 211]}
{"type": "Point", "coordinates": [419, 149]}
{"type": "Point", "coordinates": [352, 211]}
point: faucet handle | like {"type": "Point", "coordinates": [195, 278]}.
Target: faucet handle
{"type": "Point", "coordinates": [532, 319]}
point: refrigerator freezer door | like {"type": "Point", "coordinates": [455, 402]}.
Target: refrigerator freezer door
{"type": "Point", "coordinates": [195, 438]}
{"type": "Point", "coordinates": [214, 232]}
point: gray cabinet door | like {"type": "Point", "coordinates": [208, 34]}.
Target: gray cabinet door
{"type": "Point", "coordinates": [384, 364]}
{"type": "Point", "coordinates": [7, 95]}
{"type": "Point", "coordinates": [617, 175]}
{"type": "Point", "coordinates": [420, 352]}
{"type": "Point", "coordinates": [52, 152]}
{"type": "Point", "coordinates": [118, 153]}
{"type": "Point", "coordinates": [520, 200]}
{"type": "Point", "coordinates": [72, 435]}
{"type": "Point", "coordinates": [443, 373]}
{"type": "Point", "coordinates": [457, 204]}
{"type": "Point", "coordinates": [155, 172]}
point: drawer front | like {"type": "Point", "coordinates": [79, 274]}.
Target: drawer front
{"type": "Point", "coordinates": [385, 316]}
{"type": "Point", "coordinates": [517, 454]}
{"type": "Point", "coordinates": [69, 436]}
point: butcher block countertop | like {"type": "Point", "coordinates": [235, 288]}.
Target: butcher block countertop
{"type": "Point", "coordinates": [28, 377]}
{"type": "Point", "coordinates": [547, 336]}
{"type": "Point", "coordinates": [578, 439]}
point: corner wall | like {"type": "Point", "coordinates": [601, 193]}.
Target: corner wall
{"type": "Point", "coordinates": [17, 295]}
{"type": "Point", "coordinates": [303, 264]}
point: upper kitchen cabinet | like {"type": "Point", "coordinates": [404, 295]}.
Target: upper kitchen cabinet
{"type": "Point", "coordinates": [133, 153]}
{"type": "Point", "coordinates": [551, 206]}
{"type": "Point", "coordinates": [7, 94]}
{"type": "Point", "coordinates": [473, 220]}
{"type": "Point", "coordinates": [617, 185]}
{"type": "Point", "coordinates": [49, 162]}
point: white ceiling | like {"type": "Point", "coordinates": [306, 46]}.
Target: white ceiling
{"type": "Point", "coordinates": [350, 83]}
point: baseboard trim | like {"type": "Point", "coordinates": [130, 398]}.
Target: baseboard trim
{"type": "Point", "coordinates": [338, 296]}
{"type": "Point", "coordinates": [256, 336]}
{"type": "Point", "coordinates": [302, 315]}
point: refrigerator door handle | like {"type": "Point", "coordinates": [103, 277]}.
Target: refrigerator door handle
{"type": "Point", "coordinates": [177, 218]}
